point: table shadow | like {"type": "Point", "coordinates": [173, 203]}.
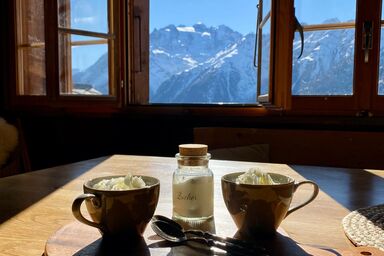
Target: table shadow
{"type": "Point", "coordinates": [277, 245]}
{"type": "Point", "coordinates": [41, 184]}
{"type": "Point", "coordinates": [115, 247]}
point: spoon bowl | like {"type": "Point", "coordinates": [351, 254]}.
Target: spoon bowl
{"type": "Point", "coordinates": [167, 220]}
{"type": "Point", "coordinates": [168, 232]}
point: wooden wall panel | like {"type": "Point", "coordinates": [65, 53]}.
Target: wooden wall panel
{"type": "Point", "coordinates": [308, 147]}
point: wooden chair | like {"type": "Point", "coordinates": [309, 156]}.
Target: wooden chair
{"type": "Point", "coordinates": [18, 161]}
{"type": "Point", "coordinates": [232, 144]}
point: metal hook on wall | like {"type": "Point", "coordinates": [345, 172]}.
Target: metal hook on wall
{"type": "Point", "coordinates": [300, 29]}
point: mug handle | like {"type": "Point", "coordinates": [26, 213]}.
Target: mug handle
{"type": "Point", "coordinates": [310, 199]}
{"type": "Point", "coordinates": [77, 212]}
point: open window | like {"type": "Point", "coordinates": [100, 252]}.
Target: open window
{"type": "Point", "coordinates": [67, 52]}
{"type": "Point", "coordinates": [338, 72]}
{"type": "Point", "coordinates": [202, 52]}
{"type": "Point", "coordinates": [262, 57]}
{"type": "Point", "coordinates": [323, 77]}
{"type": "Point", "coordinates": [86, 47]}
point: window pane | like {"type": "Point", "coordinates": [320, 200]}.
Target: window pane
{"type": "Point", "coordinates": [310, 12]}
{"type": "Point", "coordinates": [326, 65]}
{"type": "Point", "coordinates": [83, 65]}
{"type": "Point", "coordinates": [31, 71]}
{"type": "Point", "coordinates": [90, 15]}
{"type": "Point", "coordinates": [30, 48]}
{"type": "Point", "coordinates": [381, 67]}
{"type": "Point", "coordinates": [198, 55]}
{"type": "Point", "coordinates": [266, 7]}
{"type": "Point", "coordinates": [265, 60]}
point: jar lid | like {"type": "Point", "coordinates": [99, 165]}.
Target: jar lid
{"type": "Point", "coordinates": [193, 149]}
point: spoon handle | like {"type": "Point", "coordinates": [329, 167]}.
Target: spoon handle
{"type": "Point", "coordinates": [229, 248]}
{"type": "Point", "coordinates": [231, 242]}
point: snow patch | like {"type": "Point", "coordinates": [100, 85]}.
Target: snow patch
{"type": "Point", "coordinates": [218, 60]}
{"type": "Point", "coordinates": [158, 51]}
{"type": "Point", "coordinates": [190, 61]}
{"type": "Point", "coordinates": [308, 58]}
{"type": "Point", "coordinates": [186, 29]}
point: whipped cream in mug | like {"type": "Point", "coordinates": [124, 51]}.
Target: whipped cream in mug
{"type": "Point", "coordinates": [255, 176]}
{"type": "Point", "coordinates": [121, 183]}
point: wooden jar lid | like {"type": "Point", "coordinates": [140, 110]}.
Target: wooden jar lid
{"type": "Point", "coordinates": [193, 149]}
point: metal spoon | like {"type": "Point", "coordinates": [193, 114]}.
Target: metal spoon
{"type": "Point", "coordinates": [235, 242]}
{"type": "Point", "coordinates": [174, 234]}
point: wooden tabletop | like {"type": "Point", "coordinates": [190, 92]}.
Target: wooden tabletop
{"type": "Point", "coordinates": [35, 205]}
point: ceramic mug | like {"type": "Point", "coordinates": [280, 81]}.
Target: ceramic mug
{"type": "Point", "coordinates": [118, 212]}
{"type": "Point", "coordinates": [258, 210]}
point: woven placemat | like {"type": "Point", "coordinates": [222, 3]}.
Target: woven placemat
{"type": "Point", "coordinates": [365, 226]}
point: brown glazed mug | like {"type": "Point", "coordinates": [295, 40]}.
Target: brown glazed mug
{"type": "Point", "coordinates": [118, 213]}
{"type": "Point", "coordinates": [258, 210]}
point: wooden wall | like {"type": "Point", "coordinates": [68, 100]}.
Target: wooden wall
{"type": "Point", "coordinates": [308, 147]}
{"type": "Point", "coordinates": [60, 139]}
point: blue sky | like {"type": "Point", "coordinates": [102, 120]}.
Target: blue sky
{"type": "Point", "coordinates": [240, 15]}
{"type": "Point", "coordinates": [316, 11]}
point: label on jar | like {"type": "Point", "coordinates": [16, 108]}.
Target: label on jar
{"type": "Point", "coordinates": [193, 197]}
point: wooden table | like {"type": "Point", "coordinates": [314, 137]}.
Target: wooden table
{"type": "Point", "coordinates": [36, 204]}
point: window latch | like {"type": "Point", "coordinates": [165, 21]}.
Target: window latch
{"type": "Point", "coordinates": [367, 39]}
{"type": "Point", "coordinates": [364, 113]}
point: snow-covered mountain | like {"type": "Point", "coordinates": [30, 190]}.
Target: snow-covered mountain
{"type": "Point", "coordinates": [94, 78]}
{"type": "Point", "coordinates": [326, 66]}
{"type": "Point", "coordinates": [200, 64]}
{"type": "Point", "coordinates": [215, 65]}
{"type": "Point", "coordinates": [174, 50]}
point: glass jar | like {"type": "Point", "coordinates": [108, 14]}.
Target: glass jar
{"type": "Point", "coordinates": [192, 186]}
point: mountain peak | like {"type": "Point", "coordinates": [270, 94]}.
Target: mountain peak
{"type": "Point", "coordinates": [200, 27]}
{"type": "Point", "coordinates": [225, 28]}
{"type": "Point", "coordinates": [168, 28]}
{"type": "Point", "coordinates": [331, 20]}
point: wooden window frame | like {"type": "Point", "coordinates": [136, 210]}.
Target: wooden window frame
{"type": "Point", "coordinates": [132, 67]}
{"type": "Point", "coordinates": [262, 19]}
{"type": "Point", "coordinates": [327, 102]}
{"type": "Point", "coordinates": [138, 47]}
{"type": "Point", "coordinates": [377, 105]}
